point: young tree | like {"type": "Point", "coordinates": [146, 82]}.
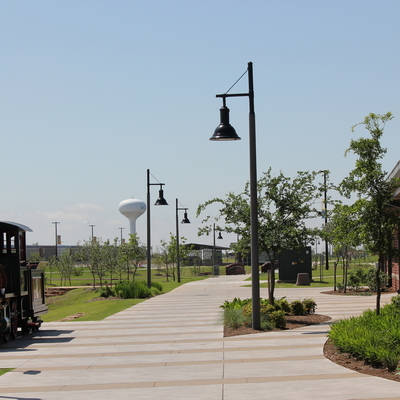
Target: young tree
{"type": "Point", "coordinates": [342, 232]}
{"type": "Point", "coordinates": [109, 257]}
{"type": "Point", "coordinates": [66, 265]}
{"type": "Point", "coordinates": [132, 253]}
{"type": "Point", "coordinates": [169, 254]}
{"type": "Point", "coordinates": [90, 255]}
{"type": "Point", "coordinates": [284, 205]}
{"type": "Point", "coordinates": [377, 221]}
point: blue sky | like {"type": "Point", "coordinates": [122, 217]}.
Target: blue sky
{"type": "Point", "coordinates": [93, 93]}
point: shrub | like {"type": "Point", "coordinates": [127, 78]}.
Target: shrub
{"type": "Point", "coordinates": [340, 287]}
{"type": "Point", "coordinates": [78, 271]}
{"type": "Point", "coordinates": [133, 290]}
{"type": "Point", "coordinates": [371, 337]}
{"type": "Point", "coordinates": [396, 301]}
{"type": "Point", "coordinates": [309, 306]}
{"type": "Point", "coordinates": [234, 318]}
{"type": "Point", "coordinates": [297, 307]}
{"type": "Point", "coordinates": [106, 292]}
{"type": "Point", "coordinates": [277, 318]}
{"type": "Point", "coordinates": [370, 280]}
{"type": "Point", "coordinates": [235, 303]}
{"type": "Point", "coordinates": [157, 285]}
{"type": "Point", "coordinates": [283, 304]}
{"type": "Point", "coordinates": [265, 323]}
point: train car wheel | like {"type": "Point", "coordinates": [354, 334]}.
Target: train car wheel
{"type": "Point", "coordinates": [14, 318]}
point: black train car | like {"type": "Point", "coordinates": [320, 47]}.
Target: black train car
{"type": "Point", "coordinates": [22, 292]}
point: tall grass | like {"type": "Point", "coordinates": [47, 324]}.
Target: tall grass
{"type": "Point", "coordinates": [371, 337]}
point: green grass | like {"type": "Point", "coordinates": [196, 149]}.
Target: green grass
{"type": "Point", "coordinates": [4, 370]}
{"type": "Point", "coordinates": [81, 301]}
{"type": "Point", "coordinates": [95, 308]}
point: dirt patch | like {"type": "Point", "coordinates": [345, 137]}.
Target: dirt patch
{"type": "Point", "coordinates": [72, 317]}
{"type": "Point", "coordinates": [345, 360]}
{"type": "Point", "coordinates": [359, 292]}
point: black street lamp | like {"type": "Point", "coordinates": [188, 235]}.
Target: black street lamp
{"type": "Point", "coordinates": [184, 221]}
{"type": "Point", "coordinates": [214, 263]}
{"type": "Point", "coordinates": [225, 131]}
{"type": "Point", "coordinates": [55, 226]}
{"type": "Point", "coordinates": [92, 226]}
{"type": "Point", "coordinates": [121, 234]}
{"type": "Point", "coordinates": [160, 202]}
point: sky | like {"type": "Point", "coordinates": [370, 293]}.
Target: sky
{"type": "Point", "coordinates": [95, 92]}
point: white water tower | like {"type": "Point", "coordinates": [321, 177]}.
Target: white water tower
{"type": "Point", "coordinates": [132, 209]}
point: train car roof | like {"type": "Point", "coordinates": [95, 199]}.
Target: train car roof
{"type": "Point", "coordinates": [20, 226]}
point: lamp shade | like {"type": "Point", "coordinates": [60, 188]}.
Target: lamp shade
{"type": "Point", "coordinates": [161, 201]}
{"type": "Point", "coordinates": [224, 131]}
{"type": "Point", "coordinates": [185, 219]}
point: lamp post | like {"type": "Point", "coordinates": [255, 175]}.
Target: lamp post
{"type": "Point", "coordinates": [55, 228]}
{"type": "Point", "coordinates": [160, 202]}
{"type": "Point", "coordinates": [225, 131]}
{"type": "Point", "coordinates": [121, 233]}
{"type": "Point", "coordinates": [184, 221]}
{"type": "Point", "coordinates": [214, 262]}
{"type": "Point", "coordinates": [92, 226]}
{"type": "Point", "coordinates": [326, 222]}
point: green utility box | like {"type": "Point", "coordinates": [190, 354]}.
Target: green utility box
{"type": "Point", "coordinates": [293, 262]}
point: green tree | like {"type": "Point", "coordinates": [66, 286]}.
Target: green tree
{"type": "Point", "coordinates": [169, 254]}
{"type": "Point", "coordinates": [284, 205]}
{"type": "Point", "coordinates": [66, 265]}
{"type": "Point", "coordinates": [109, 257]}
{"type": "Point", "coordinates": [90, 255]}
{"type": "Point", "coordinates": [132, 253]}
{"type": "Point", "coordinates": [377, 220]}
{"type": "Point", "coordinates": [343, 233]}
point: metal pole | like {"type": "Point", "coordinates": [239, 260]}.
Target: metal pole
{"type": "Point", "coordinates": [214, 247]}
{"type": "Point", "coordinates": [91, 226]}
{"type": "Point", "coordinates": [326, 221]}
{"type": "Point", "coordinates": [177, 243]}
{"type": "Point", "coordinates": [255, 275]}
{"type": "Point", "coordinates": [148, 232]}
{"type": "Point", "coordinates": [55, 226]}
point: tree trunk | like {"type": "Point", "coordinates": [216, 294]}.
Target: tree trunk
{"type": "Point", "coordinates": [334, 275]}
{"type": "Point", "coordinates": [378, 284]}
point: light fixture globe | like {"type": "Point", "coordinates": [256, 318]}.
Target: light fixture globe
{"type": "Point", "coordinates": [224, 131]}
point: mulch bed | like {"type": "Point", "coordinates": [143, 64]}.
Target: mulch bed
{"type": "Point", "coordinates": [292, 322]}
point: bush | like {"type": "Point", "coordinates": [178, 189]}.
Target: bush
{"type": "Point", "coordinates": [297, 307]}
{"type": "Point", "coordinates": [239, 312]}
{"type": "Point", "coordinates": [133, 290]}
{"type": "Point", "coordinates": [157, 285]}
{"type": "Point", "coordinates": [78, 271]}
{"type": "Point", "coordinates": [396, 301]}
{"type": "Point", "coordinates": [309, 306]}
{"type": "Point", "coordinates": [277, 318]}
{"type": "Point", "coordinates": [106, 292]}
{"type": "Point", "coordinates": [371, 337]}
{"type": "Point", "coordinates": [283, 304]}
{"type": "Point", "coordinates": [370, 280]}
{"type": "Point", "coordinates": [234, 318]}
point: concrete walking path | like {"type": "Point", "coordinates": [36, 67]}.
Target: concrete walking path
{"type": "Point", "coordinates": [172, 347]}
